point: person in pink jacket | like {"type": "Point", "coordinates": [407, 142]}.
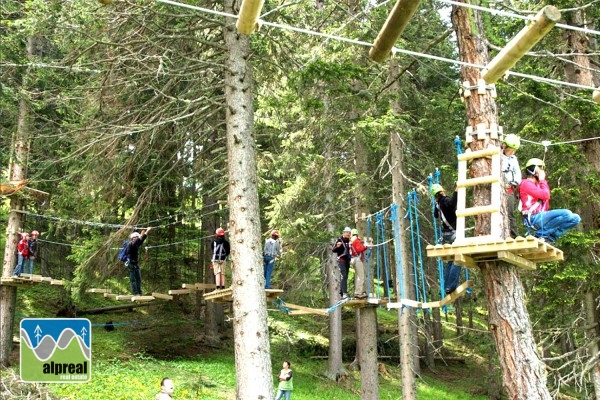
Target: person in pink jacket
{"type": "Point", "coordinates": [534, 193]}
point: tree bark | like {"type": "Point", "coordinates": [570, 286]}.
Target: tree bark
{"type": "Point", "coordinates": [18, 171]}
{"type": "Point", "coordinates": [407, 320]}
{"type": "Point", "coordinates": [524, 375]}
{"type": "Point", "coordinates": [250, 330]}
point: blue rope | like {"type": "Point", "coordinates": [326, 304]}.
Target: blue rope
{"type": "Point", "coordinates": [386, 265]}
{"type": "Point", "coordinates": [420, 250]}
{"type": "Point", "coordinates": [437, 230]}
{"type": "Point", "coordinates": [458, 144]}
{"type": "Point", "coordinates": [398, 249]}
{"type": "Point", "coordinates": [338, 304]}
{"type": "Point", "coordinates": [380, 251]}
{"type": "Point", "coordinates": [279, 303]}
{"type": "Point", "coordinates": [409, 214]}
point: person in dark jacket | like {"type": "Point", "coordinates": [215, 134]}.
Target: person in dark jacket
{"type": "Point", "coordinates": [445, 210]}
{"type": "Point", "coordinates": [220, 250]}
{"type": "Point", "coordinates": [341, 248]}
{"type": "Point", "coordinates": [33, 249]}
{"type": "Point", "coordinates": [135, 277]}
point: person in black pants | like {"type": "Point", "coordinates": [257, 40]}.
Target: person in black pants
{"type": "Point", "coordinates": [135, 277]}
{"type": "Point", "coordinates": [342, 249]}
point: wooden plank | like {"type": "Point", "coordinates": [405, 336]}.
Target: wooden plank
{"type": "Point", "coordinates": [46, 279]}
{"type": "Point", "coordinates": [94, 290]}
{"type": "Point", "coordinates": [472, 249]}
{"type": "Point", "coordinates": [465, 261]}
{"type": "Point", "coordinates": [316, 311]}
{"type": "Point", "coordinates": [124, 297]}
{"type": "Point", "coordinates": [162, 296]}
{"type": "Point", "coordinates": [180, 291]}
{"type": "Point", "coordinates": [110, 295]}
{"type": "Point", "coordinates": [58, 282]}
{"type": "Point", "coordinates": [141, 298]}
{"type": "Point", "coordinates": [198, 286]}
{"type": "Point", "coordinates": [303, 312]}
{"type": "Point", "coordinates": [479, 210]}
{"type": "Point", "coordinates": [431, 304]}
{"type": "Point", "coordinates": [404, 303]}
{"type": "Point", "coordinates": [479, 154]}
{"type": "Point", "coordinates": [521, 43]}
{"type": "Point", "coordinates": [460, 291]}
{"type": "Point", "coordinates": [482, 180]}
{"type": "Point", "coordinates": [217, 294]}
{"type": "Point", "coordinates": [516, 260]}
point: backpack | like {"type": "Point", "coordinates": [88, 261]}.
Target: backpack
{"type": "Point", "coordinates": [123, 256]}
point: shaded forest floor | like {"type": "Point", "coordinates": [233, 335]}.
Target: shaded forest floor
{"type": "Point", "coordinates": [167, 339]}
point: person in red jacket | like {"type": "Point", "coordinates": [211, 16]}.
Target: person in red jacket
{"type": "Point", "coordinates": [357, 251]}
{"type": "Point", "coordinates": [534, 194]}
{"type": "Point", "coordinates": [22, 254]}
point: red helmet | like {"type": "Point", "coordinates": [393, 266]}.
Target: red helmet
{"type": "Point", "coordinates": [220, 232]}
{"type": "Point", "coordinates": [274, 232]}
{"type": "Point", "coordinates": [35, 233]}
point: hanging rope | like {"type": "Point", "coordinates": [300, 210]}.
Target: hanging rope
{"type": "Point", "coordinates": [279, 303]}
{"type": "Point", "coordinates": [386, 269]}
{"type": "Point", "coordinates": [437, 235]}
{"type": "Point", "coordinates": [398, 250]}
{"type": "Point", "coordinates": [415, 221]}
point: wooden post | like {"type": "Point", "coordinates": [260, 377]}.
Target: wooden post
{"type": "Point", "coordinates": [520, 44]}
{"type": "Point", "coordinates": [393, 28]}
{"type": "Point", "coordinates": [248, 18]}
{"type": "Point", "coordinates": [596, 95]}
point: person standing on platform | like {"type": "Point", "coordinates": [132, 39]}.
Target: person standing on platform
{"type": "Point", "coordinates": [445, 210]}
{"type": "Point", "coordinates": [33, 249]}
{"type": "Point", "coordinates": [512, 178]}
{"type": "Point", "coordinates": [220, 249]}
{"type": "Point", "coordinates": [357, 251]}
{"type": "Point", "coordinates": [271, 253]}
{"type": "Point", "coordinates": [342, 249]}
{"type": "Point", "coordinates": [133, 248]}
{"type": "Point", "coordinates": [22, 254]}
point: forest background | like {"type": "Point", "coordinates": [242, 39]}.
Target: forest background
{"type": "Point", "coordinates": [123, 111]}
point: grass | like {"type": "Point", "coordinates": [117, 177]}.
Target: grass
{"type": "Point", "coordinates": [164, 340]}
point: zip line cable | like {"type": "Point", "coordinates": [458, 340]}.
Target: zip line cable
{"type": "Point", "coordinates": [518, 16]}
{"type": "Point", "coordinates": [368, 44]}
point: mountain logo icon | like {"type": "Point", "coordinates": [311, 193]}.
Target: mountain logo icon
{"type": "Point", "coordinates": [56, 350]}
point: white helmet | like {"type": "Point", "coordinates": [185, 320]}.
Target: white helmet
{"type": "Point", "coordinates": [134, 235]}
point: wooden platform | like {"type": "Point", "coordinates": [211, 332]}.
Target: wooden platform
{"type": "Point", "coordinates": [226, 295]}
{"type": "Point", "coordinates": [449, 299]}
{"type": "Point", "coordinates": [352, 303]}
{"type": "Point", "coordinates": [28, 279]}
{"type": "Point", "coordinates": [522, 252]}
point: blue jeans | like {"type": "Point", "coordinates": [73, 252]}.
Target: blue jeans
{"type": "Point", "coordinates": [283, 393]}
{"type": "Point", "coordinates": [269, 263]}
{"type": "Point", "coordinates": [451, 276]}
{"type": "Point", "coordinates": [135, 279]}
{"type": "Point", "coordinates": [554, 223]}
{"type": "Point", "coordinates": [29, 263]}
{"type": "Point", "coordinates": [19, 268]}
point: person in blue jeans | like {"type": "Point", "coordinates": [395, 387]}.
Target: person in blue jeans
{"type": "Point", "coordinates": [286, 382]}
{"type": "Point", "coordinates": [135, 277]}
{"type": "Point", "coordinates": [271, 253]}
{"type": "Point", "coordinates": [22, 254]}
{"type": "Point", "coordinates": [445, 210]}
{"type": "Point", "coordinates": [534, 194]}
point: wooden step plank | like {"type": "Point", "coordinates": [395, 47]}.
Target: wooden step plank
{"type": "Point", "coordinates": [460, 291]}
{"type": "Point", "coordinates": [141, 298]}
{"type": "Point", "coordinates": [124, 297]}
{"type": "Point", "coordinates": [198, 286]}
{"type": "Point", "coordinates": [479, 210]}
{"type": "Point", "coordinates": [180, 291]}
{"type": "Point", "coordinates": [516, 260]}
{"type": "Point", "coordinates": [162, 296]}
{"type": "Point", "coordinates": [471, 155]}
{"type": "Point", "coordinates": [315, 311]}
{"type": "Point", "coordinates": [110, 295]}
{"type": "Point", "coordinates": [95, 290]}
{"type": "Point", "coordinates": [480, 180]}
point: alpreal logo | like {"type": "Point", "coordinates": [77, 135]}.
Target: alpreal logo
{"type": "Point", "coordinates": [56, 350]}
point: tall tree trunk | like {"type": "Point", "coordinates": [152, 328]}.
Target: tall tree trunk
{"type": "Point", "coordinates": [407, 317]}
{"type": "Point", "coordinates": [250, 330]}
{"type": "Point", "coordinates": [366, 335]}
{"type": "Point", "coordinates": [335, 365]}
{"type": "Point", "coordinates": [524, 375]}
{"type": "Point", "coordinates": [579, 71]}
{"type": "Point", "coordinates": [18, 171]}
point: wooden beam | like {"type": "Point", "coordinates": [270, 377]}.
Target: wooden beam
{"type": "Point", "coordinates": [98, 291]}
{"type": "Point", "coordinates": [521, 43]}
{"type": "Point", "coordinates": [516, 260]}
{"type": "Point", "coordinates": [307, 310]}
{"type": "Point", "coordinates": [404, 303]}
{"type": "Point", "coordinates": [393, 28]}
{"type": "Point", "coordinates": [460, 291]}
{"type": "Point", "coordinates": [248, 18]}
{"type": "Point", "coordinates": [162, 296]}
{"type": "Point", "coordinates": [467, 212]}
{"type": "Point", "coordinates": [465, 261]}
{"type": "Point", "coordinates": [482, 180]}
{"type": "Point", "coordinates": [180, 291]}
{"type": "Point", "coordinates": [198, 286]}
{"type": "Point", "coordinates": [141, 298]}
{"type": "Point", "coordinates": [124, 297]}
{"type": "Point", "coordinates": [58, 282]}
{"type": "Point", "coordinates": [471, 155]}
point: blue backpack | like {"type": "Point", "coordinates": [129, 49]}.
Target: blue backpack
{"type": "Point", "coordinates": [123, 256]}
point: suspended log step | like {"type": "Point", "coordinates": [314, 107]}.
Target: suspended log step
{"type": "Point", "coordinates": [198, 286]}
{"type": "Point", "coordinates": [93, 290]}
{"type": "Point", "coordinates": [522, 252]}
{"type": "Point", "coordinates": [28, 279]}
{"type": "Point", "coordinates": [449, 299]}
{"type": "Point", "coordinates": [226, 295]}
{"type": "Point", "coordinates": [138, 299]}
{"type": "Point", "coordinates": [162, 296]}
